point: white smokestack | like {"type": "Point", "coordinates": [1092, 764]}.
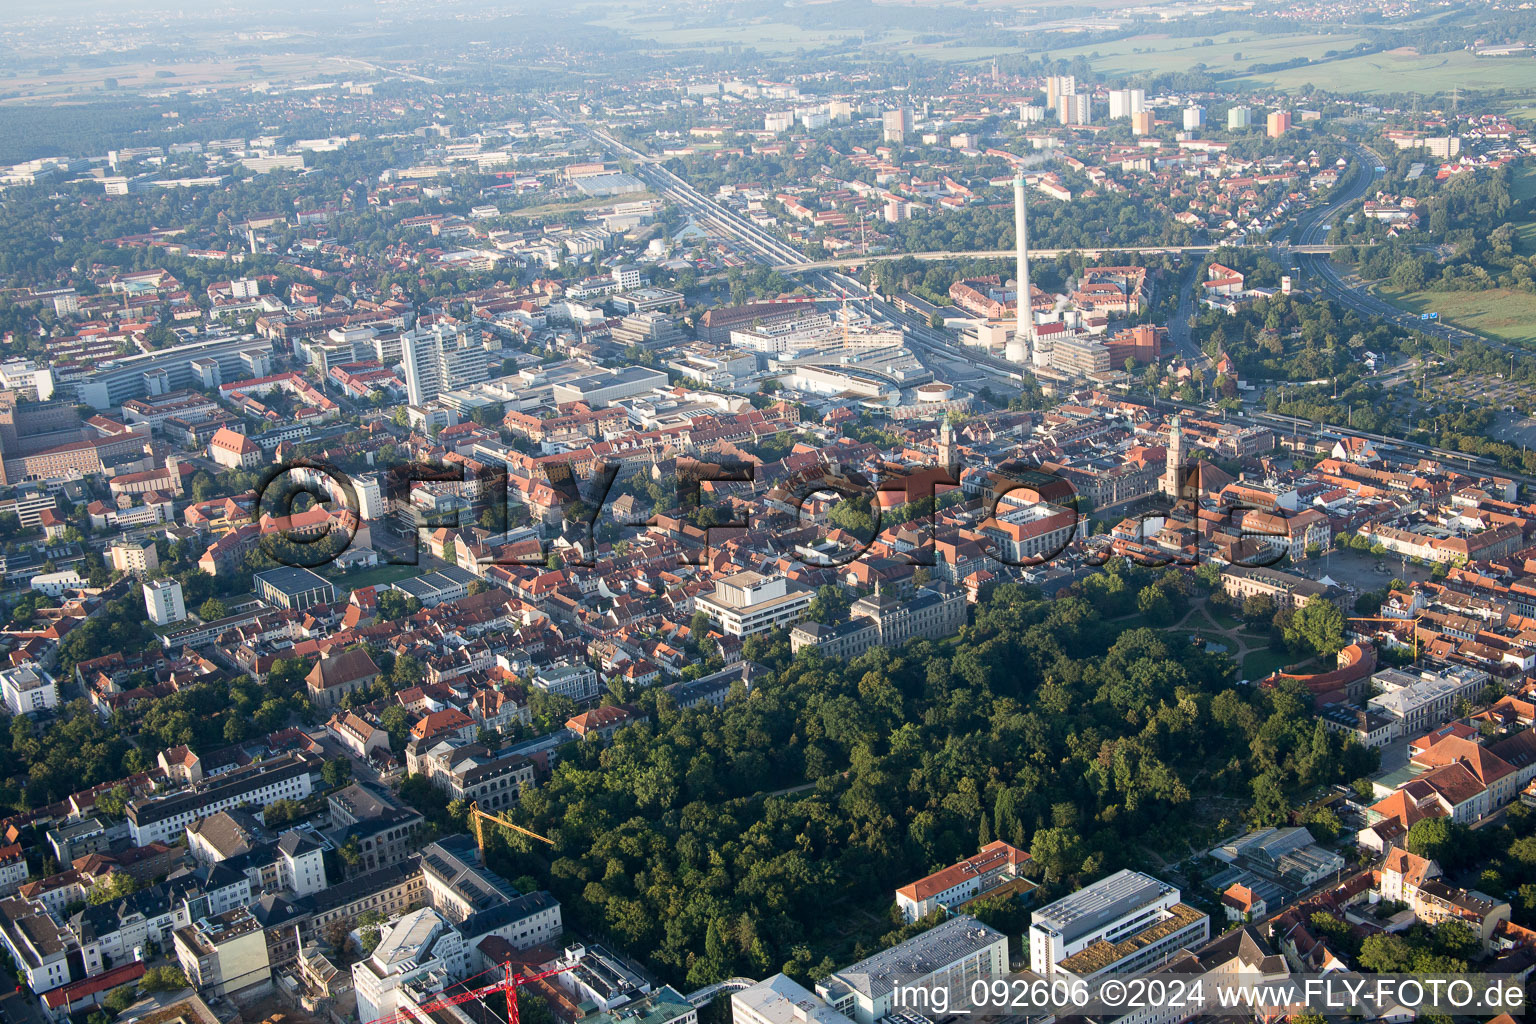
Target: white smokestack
{"type": "Point", "coordinates": [1025, 328]}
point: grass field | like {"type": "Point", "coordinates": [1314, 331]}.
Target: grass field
{"type": "Point", "coordinates": [1258, 664]}
{"type": "Point", "coordinates": [575, 206]}
{"type": "Point", "coordinates": [1230, 54]}
{"type": "Point", "coordinates": [1524, 186]}
{"type": "Point", "coordinates": [1146, 54]}
{"type": "Point", "coordinates": [1408, 71]}
{"type": "Point", "coordinates": [1223, 620]}
{"type": "Point", "coordinates": [379, 575]}
{"type": "Point", "coordinates": [1498, 313]}
{"type": "Point", "coordinates": [764, 35]}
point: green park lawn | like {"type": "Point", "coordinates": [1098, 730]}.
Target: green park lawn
{"type": "Point", "coordinates": [1258, 664]}
{"type": "Point", "coordinates": [1498, 313]}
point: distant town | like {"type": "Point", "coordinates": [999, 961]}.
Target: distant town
{"type": "Point", "coordinates": [676, 516]}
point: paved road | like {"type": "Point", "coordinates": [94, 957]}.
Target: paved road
{"type": "Point", "coordinates": [1179, 333]}
{"type": "Point", "coordinates": [1312, 227]}
{"type": "Point", "coordinates": [992, 254]}
{"type": "Point", "coordinates": [1306, 238]}
{"type": "Point", "coordinates": [19, 1007]}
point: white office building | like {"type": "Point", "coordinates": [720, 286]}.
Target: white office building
{"type": "Point", "coordinates": [1125, 923]}
{"type": "Point", "coordinates": [781, 1000]}
{"type": "Point", "coordinates": [953, 956]}
{"type": "Point", "coordinates": [112, 382]}
{"type": "Point", "coordinates": [749, 602]}
{"type": "Point", "coordinates": [1417, 700]}
{"type": "Point", "coordinates": [578, 682]}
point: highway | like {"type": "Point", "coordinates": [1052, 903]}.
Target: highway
{"type": "Point", "coordinates": [763, 244]}
{"type": "Point", "coordinates": [1312, 227]}
{"type": "Point", "coordinates": [924, 340]}
{"type": "Point", "coordinates": [1306, 244]}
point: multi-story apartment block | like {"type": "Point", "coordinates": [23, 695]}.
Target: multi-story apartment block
{"type": "Point", "coordinates": [287, 776]}
{"type": "Point", "coordinates": [225, 954]}
{"type": "Point", "coordinates": [39, 948]}
{"type": "Point", "coordinates": [996, 864]}
{"type": "Point", "coordinates": [439, 359]}
{"type": "Point", "coordinates": [28, 689]}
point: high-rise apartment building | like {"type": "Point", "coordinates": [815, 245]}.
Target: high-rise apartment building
{"type": "Point", "coordinates": [1075, 108]}
{"type": "Point", "coordinates": [1057, 86]}
{"type": "Point", "coordinates": [439, 359]}
{"type": "Point", "coordinates": [896, 124]}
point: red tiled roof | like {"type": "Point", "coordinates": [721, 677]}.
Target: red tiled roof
{"type": "Point", "coordinates": [66, 995]}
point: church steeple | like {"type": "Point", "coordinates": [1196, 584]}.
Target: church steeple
{"type": "Point", "coordinates": [1172, 483]}
{"type": "Point", "coordinates": [946, 442]}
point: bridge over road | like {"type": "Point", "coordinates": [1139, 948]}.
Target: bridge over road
{"type": "Point", "coordinates": [994, 254]}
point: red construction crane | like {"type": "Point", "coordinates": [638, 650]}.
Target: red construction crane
{"type": "Point", "coordinates": [509, 983]}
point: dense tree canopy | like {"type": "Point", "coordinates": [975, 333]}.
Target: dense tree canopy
{"type": "Point", "coordinates": [723, 832]}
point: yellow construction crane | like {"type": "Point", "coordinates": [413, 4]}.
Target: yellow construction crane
{"type": "Point", "coordinates": [1414, 621]}
{"type": "Point", "coordinates": [478, 817]}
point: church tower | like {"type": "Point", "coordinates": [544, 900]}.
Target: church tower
{"type": "Point", "coordinates": [946, 443]}
{"type": "Point", "coordinates": [1172, 482]}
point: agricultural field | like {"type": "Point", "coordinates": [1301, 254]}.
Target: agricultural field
{"type": "Point", "coordinates": [31, 86]}
{"type": "Point", "coordinates": [1407, 70]}
{"type": "Point", "coordinates": [763, 34]}
{"type": "Point", "coordinates": [1231, 53]}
